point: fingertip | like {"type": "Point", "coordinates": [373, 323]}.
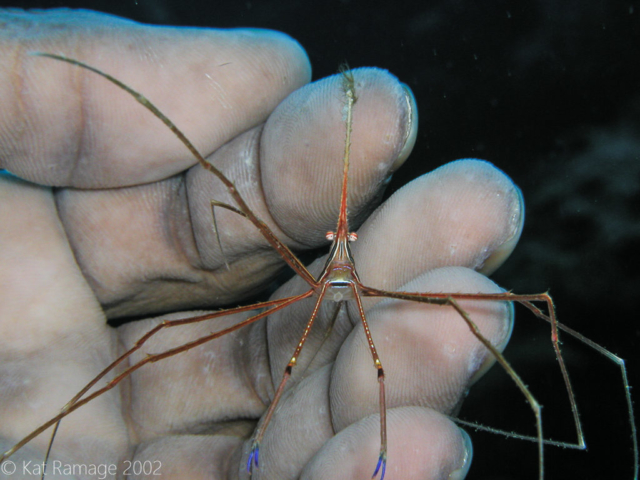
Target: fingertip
{"type": "Point", "coordinates": [507, 196]}
{"type": "Point", "coordinates": [466, 213]}
{"type": "Point", "coordinates": [421, 445]}
{"type": "Point", "coordinates": [411, 131]}
{"type": "Point", "coordinates": [504, 251]}
{"type": "Point", "coordinates": [465, 458]}
{"type": "Point", "coordinates": [428, 351]}
{"type": "Point", "coordinates": [303, 143]}
{"type": "Point", "coordinates": [295, 63]}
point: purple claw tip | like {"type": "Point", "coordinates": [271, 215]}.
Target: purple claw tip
{"type": "Point", "coordinates": [249, 462]}
{"type": "Point", "coordinates": [253, 457]}
{"type": "Point", "coordinates": [382, 463]}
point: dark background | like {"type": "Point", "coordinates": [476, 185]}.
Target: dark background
{"type": "Point", "coordinates": [550, 93]}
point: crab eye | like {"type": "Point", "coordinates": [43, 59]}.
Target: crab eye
{"type": "Point", "coordinates": [353, 236]}
{"type": "Point", "coordinates": [330, 236]}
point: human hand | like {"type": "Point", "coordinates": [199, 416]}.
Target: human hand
{"type": "Point", "coordinates": [130, 234]}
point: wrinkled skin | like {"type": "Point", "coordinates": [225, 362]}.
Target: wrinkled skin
{"type": "Point", "coordinates": [106, 217]}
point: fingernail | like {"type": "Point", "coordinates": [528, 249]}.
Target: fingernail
{"type": "Point", "coordinates": [411, 132]}
{"type": "Point", "coordinates": [461, 472]}
{"type": "Point", "coordinates": [501, 253]}
{"type": "Point", "coordinates": [490, 359]}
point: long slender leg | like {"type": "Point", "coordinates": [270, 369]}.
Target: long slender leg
{"type": "Point", "coordinates": [527, 301]}
{"type": "Point", "coordinates": [612, 357]}
{"type": "Point", "coordinates": [257, 439]}
{"type": "Point", "coordinates": [78, 401]}
{"type": "Point", "coordinates": [535, 406]}
{"type": "Point", "coordinates": [382, 457]}
{"type": "Point", "coordinates": [555, 341]}
{"type": "Point", "coordinates": [141, 341]}
{"type": "Point", "coordinates": [451, 300]}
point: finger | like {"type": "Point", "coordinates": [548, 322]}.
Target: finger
{"type": "Point", "coordinates": [297, 167]}
{"type": "Point", "coordinates": [466, 213]}
{"type": "Point", "coordinates": [428, 352]}
{"type": "Point", "coordinates": [65, 126]}
{"type": "Point", "coordinates": [53, 335]}
{"type": "Point", "coordinates": [301, 438]}
{"type": "Point", "coordinates": [425, 446]}
{"type": "Point", "coordinates": [303, 148]}
{"type": "Point", "coordinates": [422, 445]}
